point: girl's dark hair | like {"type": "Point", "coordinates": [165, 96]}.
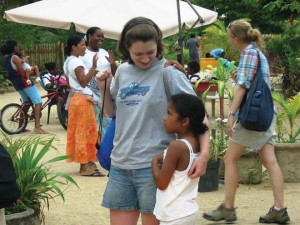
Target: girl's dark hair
{"type": "Point", "coordinates": [91, 31]}
{"type": "Point", "coordinates": [139, 29]}
{"type": "Point", "coordinates": [8, 47]}
{"type": "Point", "coordinates": [191, 106]}
{"type": "Point", "coordinates": [73, 40]}
{"type": "Point", "coordinates": [50, 66]}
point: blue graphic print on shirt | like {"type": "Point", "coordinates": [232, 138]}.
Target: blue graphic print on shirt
{"type": "Point", "coordinates": [133, 89]}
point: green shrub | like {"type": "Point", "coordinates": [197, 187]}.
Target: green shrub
{"type": "Point", "coordinates": [286, 50]}
{"type": "Point", "coordinates": [36, 181]}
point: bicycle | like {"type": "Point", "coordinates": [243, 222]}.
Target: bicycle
{"type": "Point", "coordinates": [15, 117]}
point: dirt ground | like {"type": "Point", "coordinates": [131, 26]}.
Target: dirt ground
{"type": "Point", "coordinates": [83, 206]}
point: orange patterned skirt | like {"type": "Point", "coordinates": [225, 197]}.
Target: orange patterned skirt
{"type": "Point", "coordinates": [82, 130]}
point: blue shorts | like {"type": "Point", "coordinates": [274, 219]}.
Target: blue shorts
{"type": "Point", "coordinates": [31, 93]}
{"type": "Point", "coordinates": [130, 190]}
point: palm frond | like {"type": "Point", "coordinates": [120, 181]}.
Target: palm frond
{"type": "Point", "coordinates": [36, 181]}
{"type": "Point", "coordinates": [290, 110]}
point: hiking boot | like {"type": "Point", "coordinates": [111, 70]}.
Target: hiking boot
{"type": "Point", "coordinates": [275, 216]}
{"type": "Point", "coordinates": [221, 213]}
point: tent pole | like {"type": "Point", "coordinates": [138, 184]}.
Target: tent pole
{"type": "Point", "coordinates": [180, 39]}
{"type": "Point", "coordinates": [200, 19]}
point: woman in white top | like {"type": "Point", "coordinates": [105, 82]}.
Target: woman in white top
{"type": "Point", "coordinates": [94, 38]}
{"type": "Point", "coordinates": [106, 60]}
{"type": "Point", "coordinates": [82, 131]}
{"type": "Point", "coordinates": [176, 194]}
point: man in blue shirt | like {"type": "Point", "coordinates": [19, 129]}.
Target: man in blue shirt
{"type": "Point", "coordinates": [193, 46]}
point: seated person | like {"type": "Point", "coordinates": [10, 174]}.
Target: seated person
{"type": "Point", "coordinates": [52, 77]}
{"type": "Point", "coordinates": [193, 71]}
{"type": "Point", "coordinates": [30, 71]}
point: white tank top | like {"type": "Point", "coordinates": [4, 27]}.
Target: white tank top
{"type": "Point", "coordinates": [178, 200]}
{"type": "Point", "coordinates": [13, 65]}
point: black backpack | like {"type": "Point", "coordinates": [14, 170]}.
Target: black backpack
{"type": "Point", "coordinates": [257, 109]}
{"type": "Point", "coordinates": [9, 190]}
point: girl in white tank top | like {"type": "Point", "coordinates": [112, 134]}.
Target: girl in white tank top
{"type": "Point", "coordinates": [177, 192]}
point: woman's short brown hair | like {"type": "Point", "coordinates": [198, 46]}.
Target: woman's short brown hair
{"type": "Point", "coordinates": [139, 29]}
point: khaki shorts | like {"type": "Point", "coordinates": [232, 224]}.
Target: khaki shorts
{"type": "Point", "coordinates": [254, 139]}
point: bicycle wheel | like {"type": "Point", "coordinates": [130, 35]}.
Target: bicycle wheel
{"type": "Point", "coordinates": [13, 119]}
{"type": "Point", "coordinates": [62, 114]}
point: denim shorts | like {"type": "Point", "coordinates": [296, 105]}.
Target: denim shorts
{"type": "Point", "coordinates": [130, 190]}
{"type": "Point", "coordinates": [31, 93]}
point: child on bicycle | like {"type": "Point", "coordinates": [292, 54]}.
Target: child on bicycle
{"type": "Point", "coordinates": [52, 77]}
{"type": "Point", "coordinates": [30, 71]}
{"type": "Point", "coordinates": [177, 192]}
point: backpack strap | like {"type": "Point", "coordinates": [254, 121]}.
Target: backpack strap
{"type": "Point", "coordinates": [258, 70]}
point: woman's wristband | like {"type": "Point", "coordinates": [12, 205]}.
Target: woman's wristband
{"type": "Point", "coordinates": [231, 114]}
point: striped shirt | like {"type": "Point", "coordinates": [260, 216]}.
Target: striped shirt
{"type": "Point", "coordinates": [248, 66]}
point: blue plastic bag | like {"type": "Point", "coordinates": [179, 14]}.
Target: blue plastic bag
{"type": "Point", "coordinates": [106, 145]}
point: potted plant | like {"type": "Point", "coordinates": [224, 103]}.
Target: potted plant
{"type": "Point", "coordinates": [250, 166]}
{"type": "Point", "coordinates": [287, 148]}
{"type": "Point", "coordinates": [36, 181]}
{"type": "Point", "coordinates": [218, 146]}
{"type": "Point", "coordinates": [222, 79]}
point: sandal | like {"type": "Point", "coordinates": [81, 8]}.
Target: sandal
{"type": "Point", "coordinates": [92, 166]}
{"type": "Point", "coordinates": [92, 174]}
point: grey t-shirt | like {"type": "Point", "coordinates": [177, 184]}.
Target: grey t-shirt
{"type": "Point", "coordinates": [141, 103]}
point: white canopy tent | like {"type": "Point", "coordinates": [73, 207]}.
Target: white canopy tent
{"type": "Point", "coordinates": [111, 15]}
